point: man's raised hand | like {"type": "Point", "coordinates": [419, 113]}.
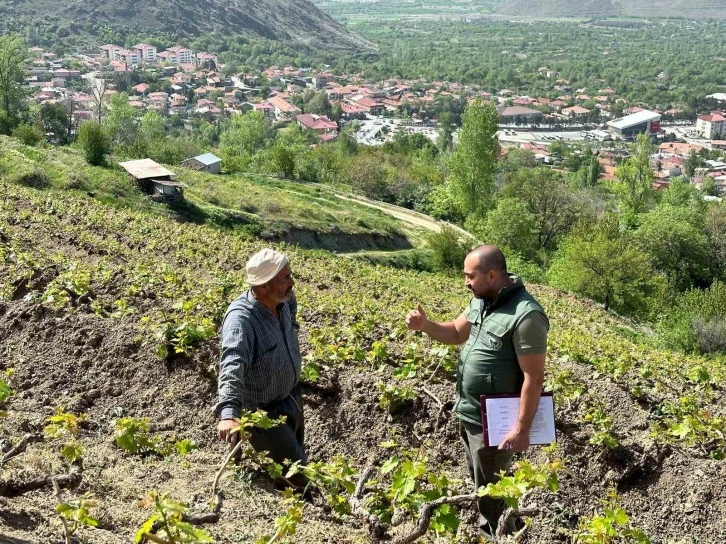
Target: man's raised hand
{"type": "Point", "coordinates": [416, 319]}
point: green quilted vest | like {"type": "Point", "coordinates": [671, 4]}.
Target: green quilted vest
{"type": "Point", "coordinates": [488, 363]}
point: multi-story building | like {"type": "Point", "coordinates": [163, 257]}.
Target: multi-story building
{"type": "Point", "coordinates": [146, 52]}
{"type": "Point", "coordinates": [129, 56]}
{"type": "Point", "coordinates": [322, 79]}
{"type": "Point", "coordinates": [202, 57]}
{"type": "Point", "coordinates": [176, 55]}
{"type": "Point", "coordinates": [185, 55]}
{"type": "Point", "coordinates": [711, 126]}
{"type": "Point", "coordinates": [109, 50]}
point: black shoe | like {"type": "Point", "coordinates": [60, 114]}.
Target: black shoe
{"type": "Point", "coordinates": [485, 536]}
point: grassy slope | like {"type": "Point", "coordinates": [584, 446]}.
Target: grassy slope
{"type": "Point", "coordinates": [139, 281]}
{"type": "Point", "coordinates": [272, 208]}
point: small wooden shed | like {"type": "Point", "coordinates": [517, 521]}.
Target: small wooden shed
{"type": "Point", "coordinates": [155, 180]}
{"type": "Point", "coordinates": [209, 163]}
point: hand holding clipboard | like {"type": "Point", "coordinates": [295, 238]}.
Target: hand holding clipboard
{"type": "Point", "coordinates": [499, 415]}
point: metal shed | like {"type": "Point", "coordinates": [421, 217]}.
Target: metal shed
{"type": "Point", "coordinates": [208, 162]}
{"type": "Point", "coordinates": [155, 180]}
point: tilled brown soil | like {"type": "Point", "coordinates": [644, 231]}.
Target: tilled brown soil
{"type": "Point", "coordinates": [85, 363]}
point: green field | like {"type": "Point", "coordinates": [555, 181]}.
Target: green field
{"type": "Point", "coordinates": [353, 13]}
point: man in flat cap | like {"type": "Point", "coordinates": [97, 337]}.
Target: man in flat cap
{"type": "Point", "coordinates": [260, 364]}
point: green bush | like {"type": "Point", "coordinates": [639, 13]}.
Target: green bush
{"type": "Point", "coordinates": [527, 270]}
{"type": "Point", "coordinates": [95, 143]}
{"type": "Point", "coordinates": [694, 320]}
{"type": "Point", "coordinates": [6, 122]}
{"type": "Point", "coordinates": [28, 134]}
{"type": "Point", "coordinates": [447, 249]}
{"type": "Point", "coordinates": [710, 335]}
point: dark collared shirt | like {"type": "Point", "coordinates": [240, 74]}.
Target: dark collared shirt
{"type": "Point", "coordinates": [261, 358]}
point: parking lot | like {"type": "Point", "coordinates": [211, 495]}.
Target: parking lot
{"type": "Point", "coordinates": [378, 131]}
{"type": "Point", "coordinates": [508, 135]}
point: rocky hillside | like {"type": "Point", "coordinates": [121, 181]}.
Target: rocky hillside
{"type": "Point", "coordinates": [295, 20]}
{"type": "Point", "coordinates": [700, 9]}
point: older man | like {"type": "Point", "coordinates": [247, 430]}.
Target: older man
{"type": "Point", "coordinates": [504, 330]}
{"type": "Point", "coordinates": [260, 365]}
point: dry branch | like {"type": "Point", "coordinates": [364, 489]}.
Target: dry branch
{"type": "Point", "coordinates": [442, 407]}
{"type": "Point", "coordinates": [505, 517]}
{"type": "Point", "coordinates": [375, 526]}
{"type": "Point", "coordinates": [430, 394]}
{"type": "Point", "coordinates": [427, 510]}
{"type": "Point", "coordinates": [14, 489]}
{"type": "Point", "coordinates": [20, 447]}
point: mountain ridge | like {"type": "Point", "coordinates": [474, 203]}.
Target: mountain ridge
{"type": "Point", "coordinates": [608, 8]}
{"type": "Point", "coordinates": [285, 20]}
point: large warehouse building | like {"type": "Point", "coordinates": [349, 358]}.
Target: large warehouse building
{"type": "Point", "coordinates": [631, 125]}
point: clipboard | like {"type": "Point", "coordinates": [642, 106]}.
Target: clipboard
{"type": "Point", "coordinates": [499, 415]}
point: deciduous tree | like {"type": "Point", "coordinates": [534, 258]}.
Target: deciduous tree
{"type": "Point", "coordinates": [474, 160]}
{"type": "Point", "coordinates": [634, 183]}
{"type": "Point", "coordinates": [603, 265]}
{"type": "Point", "coordinates": [12, 56]}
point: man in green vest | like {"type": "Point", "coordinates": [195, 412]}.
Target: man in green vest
{"type": "Point", "coordinates": [504, 332]}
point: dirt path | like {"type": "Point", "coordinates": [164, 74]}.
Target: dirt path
{"type": "Point", "coordinates": [409, 216]}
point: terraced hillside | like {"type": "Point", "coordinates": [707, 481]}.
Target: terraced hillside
{"type": "Point", "coordinates": [112, 312]}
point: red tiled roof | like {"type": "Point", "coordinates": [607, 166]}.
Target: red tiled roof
{"type": "Point", "coordinates": [577, 110]}
{"type": "Point", "coordinates": [713, 118]}
{"type": "Point", "coordinates": [368, 102]}
{"type": "Point", "coordinates": [282, 104]}
{"type": "Point", "coordinates": [679, 148]}
{"type": "Point", "coordinates": [351, 108]}
{"type": "Point", "coordinates": [316, 122]}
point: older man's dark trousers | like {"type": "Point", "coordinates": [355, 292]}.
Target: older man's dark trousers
{"type": "Point", "coordinates": [284, 442]}
{"type": "Point", "coordinates": [484, 465]}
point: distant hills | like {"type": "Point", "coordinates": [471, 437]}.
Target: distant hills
{"type": "Point", "coordinates": [690, 9]}
{"type": "Point", "coordinates": [286, 20]}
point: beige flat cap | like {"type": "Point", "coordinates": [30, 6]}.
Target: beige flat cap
{"type": "Point", "coordinates": [265, 265]}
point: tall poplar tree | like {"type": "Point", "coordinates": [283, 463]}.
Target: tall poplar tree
{"type": "Point", "coordinates": [474, 161]}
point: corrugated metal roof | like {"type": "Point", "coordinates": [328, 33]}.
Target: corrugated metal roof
{"type": "Point", "coordinates": [634, 119]}
{"type": "Point", "coordinates": [145, 168]}
{"type": "Point", "coordinates": [207, 159]}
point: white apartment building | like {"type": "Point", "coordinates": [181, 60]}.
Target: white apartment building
{"type": "Point", "coordinates": [182, 55]}
{"type": "Point", "coordinates": [109, 51]}
{"type": "Point", "coordinates": [146, 52]}
{"type": "Point", "coordinates": [711, 126]}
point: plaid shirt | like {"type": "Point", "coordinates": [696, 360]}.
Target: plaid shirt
{"type": "Point", "coordinates": [261, 359]}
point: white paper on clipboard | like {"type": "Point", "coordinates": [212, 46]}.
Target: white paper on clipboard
{"type": "Point", "coordinates": [500, 413]}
